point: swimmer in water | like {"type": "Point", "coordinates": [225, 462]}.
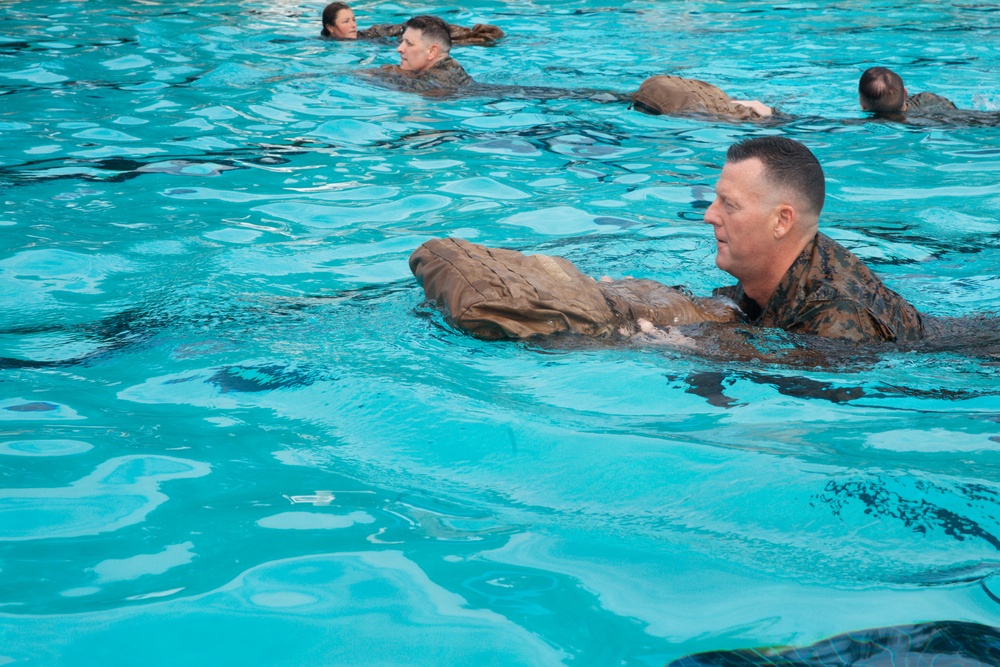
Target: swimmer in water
{"type": "Point", "coordinates": [426, 65]}
{"type": "Point", "coordinates": [881, 90]}
{"type": "Point", "coordinates": [339, 22]}
{"type": "Point", "coordinates": [765, 218]}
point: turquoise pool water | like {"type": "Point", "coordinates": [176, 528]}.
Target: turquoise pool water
{"type": "Point", "coordinates": [231, 434]}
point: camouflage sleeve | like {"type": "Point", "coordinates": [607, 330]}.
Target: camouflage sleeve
{"type": "Point", "coordinates": [842, 319]}
{"type": "Point", "coordinates": [381, 30]}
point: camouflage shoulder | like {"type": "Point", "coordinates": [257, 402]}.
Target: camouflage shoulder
{"type": "Point", "coordinates": [382, 30]}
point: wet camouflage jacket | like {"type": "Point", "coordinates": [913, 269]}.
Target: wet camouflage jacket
{"type": "Point", "coordinates": [928, 102]}
{"type": "Point", "coordinates": [445, 76]}
{"type": "Point", "coordinates": [382, 30]}
{"type": "Point", "coordinates": [829, 292]}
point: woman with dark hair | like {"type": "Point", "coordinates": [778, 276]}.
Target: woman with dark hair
{"type": "Point", "coordinates": [339, 23]}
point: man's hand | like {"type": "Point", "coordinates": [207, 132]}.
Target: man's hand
{"type": "Point", "coordinates": [757, 106]}
{"type": "Point", "coordinates": [665, 336]}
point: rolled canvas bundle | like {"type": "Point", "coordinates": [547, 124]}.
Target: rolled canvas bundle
{"type": "Point", "coordinates": [495, 293]}
{"type": "Point", "coordinates": [665, 94]}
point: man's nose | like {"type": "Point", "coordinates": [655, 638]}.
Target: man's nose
{"type": "Point", "coordinates": [711, 213]}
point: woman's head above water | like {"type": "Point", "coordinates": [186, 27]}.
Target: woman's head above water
{"type": "Point", "coordinates": [339, 22]}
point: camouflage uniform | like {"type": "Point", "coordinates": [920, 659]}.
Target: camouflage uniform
{"type": "Point", "coordinates": [481, 34]}
{"type": "Point", "coordinates": [829, 292]}
{"type": "Point", "coordinates": [381, 31]}
{"type": "Point", "coordinates": [444, 76]}
{"type": "Point", "coordinates": [928, 102]}
{"type": "Point", "coordinates": [929, 109]}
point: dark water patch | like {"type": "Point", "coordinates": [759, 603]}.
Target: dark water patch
{"type": "Point", "coordinates": [425, 140]}
{"type": "Point", "coordinates": [267, 377]}
{"type": "Point", "coordinates": [807, 388]}
{"type": "Point", "coordinates": [958, 574]}
{"type": "Point", "coordinates": [38, 406]}
{"type": "Point", "coordinates": [952, 643]}
{"type": "Point", "coordinates": [120, 169]}
{"type": "Point", "coordinates": [991, 8]}
{"type": "Point", "coordinates": [112, 333]}
{"type": "Point", "coordinates": [44, 45]}
{"type": "Point", "coordinates": [916, 511]}
{"type": "Point", "coordinates": [712, 385]}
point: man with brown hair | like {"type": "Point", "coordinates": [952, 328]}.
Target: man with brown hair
{"type": "Point", "coordinates": [882, 91]}
{"type": "Point", "coordinates": [426, 65]}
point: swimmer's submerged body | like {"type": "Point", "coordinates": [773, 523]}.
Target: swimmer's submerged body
{"type": "Point", "coordinates": [661, 94]}
{"type": "Point", "coordinates": [444, 77]}
{"type": "Point", "coordinates": [882, 93]}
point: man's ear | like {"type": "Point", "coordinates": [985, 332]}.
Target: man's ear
{"type": "Point", "coordinates": [433, 51]}
{"type": "Point", "coordinates": [786, 219]}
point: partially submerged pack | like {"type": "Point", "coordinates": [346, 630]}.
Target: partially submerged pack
{"type": "Point", "coordinates": [495, 293]}
{"type": "Point", "coordinates": [665, 94]}
{"type": "Point", "coordinates": [663, 306]}
{"type": "Point", "coordinates": [481, 34]}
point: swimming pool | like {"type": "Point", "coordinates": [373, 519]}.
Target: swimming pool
{"type": "Point", "coordinates": [232, 434]}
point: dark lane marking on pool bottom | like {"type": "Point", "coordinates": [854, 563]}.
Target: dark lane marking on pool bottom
{"type": "Point", "coordinates": [951, 643]}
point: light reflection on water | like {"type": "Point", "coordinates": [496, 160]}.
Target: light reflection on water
{"type": "Point", "coordinates": [206, 224]}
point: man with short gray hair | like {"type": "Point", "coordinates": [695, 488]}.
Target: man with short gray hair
{"type": "Point", "coordinates": [766, 222]}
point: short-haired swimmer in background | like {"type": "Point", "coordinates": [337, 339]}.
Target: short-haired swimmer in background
{"type": "Point", "coordinates": [881, 90]}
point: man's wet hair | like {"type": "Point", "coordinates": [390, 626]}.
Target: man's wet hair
{"type": "Point", "coordinates": [786, 163]}
{"type": "Point", "coordinates": [330, 15]}
{"type": "Point", "coordinates": [433, 29]}
{"type": "Point", "coordinates": [882, 90]}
